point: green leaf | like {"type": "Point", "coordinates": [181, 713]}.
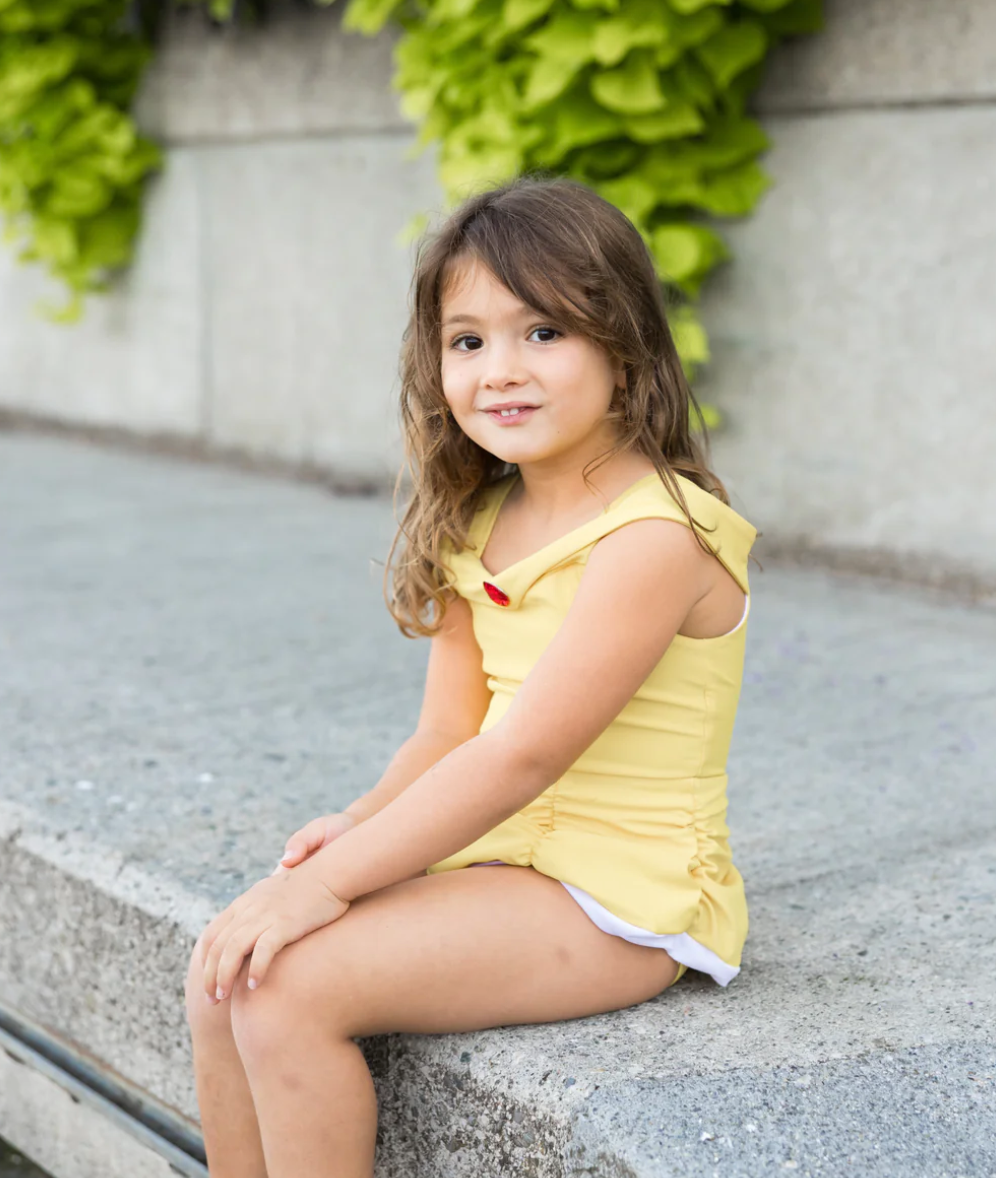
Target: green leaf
{"type": "Point", "coordinates": [734, 192]}
{"type": "Point", "coordinates": [694, 83]}
{"type": "Point", "coordinates": [606, 160]}
{"type": "Point", "coordinates": [687, 254]}
{"type": "Point", "coordinates": [28, 69]}
{"type": "Point", "coordinates": [640, 24]}
{"type": "Point", "coordinates": [549, 79]}
{"type": "Point", "coordinates": [71, 312]}
{"type": "Point", "coordinates": [801, 16]}
{"type": "Point", "coordinates": [691, 30]}
{"type": "Point", "coordinates": [461, 175]}
{"type": "Point", "coordinates": [77, 192]}
{"type": "Point", "coordinates": [632, 88]}
{"type": "Point", "coordinates": [517, 14]}
{"type": "Point", "coordinates": [734, 48]}
{"type": "Point", "coordinates": [674, 122]}
{"type": "Point", "coordinates": [689, 337]}
{"type": "Point", "coordinates": [603, 5]}
{"type": "Point", "coordinates": [567, 37]}
{"type": "Point", "coordinates": [55, 239]}
{"type": "Point", "coordinates": [102, 128]}
{"type": "Point", "coordinates": [368, 16]}
{"type": "Point", "coordinates": [442, 12]}
{"type": "Point", "coordinates": [733, 100]}
{"type": "Point", "coordinates": [711, 415]}
{"type": "Point", "coordinates": [685, 251]}
{"type": "Point", "coordinates": [577, 121]}
{"type": "Point", "coordinates": [634, 194]}
{"type": "Point", "coordinates": [727, 141]}
{"type": "Point", "coordinates": [106, 240]}
{"type": "Point", "coordinates": [687, 7]}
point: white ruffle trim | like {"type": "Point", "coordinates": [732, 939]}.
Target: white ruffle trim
{"type": "Point", "coordinates": [680, 946]}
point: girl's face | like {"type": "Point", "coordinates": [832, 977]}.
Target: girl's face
{"type": "Point", "coordinates": [497, 350]}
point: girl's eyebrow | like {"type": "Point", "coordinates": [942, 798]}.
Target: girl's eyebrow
{"type": "Point", "coordinates": [525, 313]}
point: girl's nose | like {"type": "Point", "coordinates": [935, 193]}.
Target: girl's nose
{"type": "Point", "coordinates": [505, 380]}
{"type": "Point", "coordinates": [503, 368]}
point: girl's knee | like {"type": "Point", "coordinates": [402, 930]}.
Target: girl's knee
{"type": "Point", "coordinates": [265, 1021]}
{"type": "Point", "coordinates": [296, 1000]}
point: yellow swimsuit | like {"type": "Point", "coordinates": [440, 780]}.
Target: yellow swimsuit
{"type": "Point", "coordinates": [635, 829]}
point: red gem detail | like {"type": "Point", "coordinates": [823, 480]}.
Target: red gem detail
{"type": "Point", "coordinates": [496, 594]}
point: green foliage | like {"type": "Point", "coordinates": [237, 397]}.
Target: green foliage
{"type": "Point", "coordinates": [643, 100]}
{"type": "Point", "coordinates": [72, 164]}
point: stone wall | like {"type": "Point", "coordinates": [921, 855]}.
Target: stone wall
{"type": "Point", "coordinates": [852, 340]}
{"type": "Point", "coordinates": [853, 354]}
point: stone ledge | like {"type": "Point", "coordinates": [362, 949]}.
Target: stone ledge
{"type": "Point", "coordinates": [160, 758]}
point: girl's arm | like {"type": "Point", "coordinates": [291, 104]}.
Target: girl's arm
{"type": "Point", "coordinates": [639, 585]}
{"type": "Point", "coordinates": [418, 753]}
{"type": "Point", "coordinates": [454, 703]}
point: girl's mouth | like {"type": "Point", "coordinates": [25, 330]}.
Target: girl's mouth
{"type": "Point", "coordinates": [511, 416]}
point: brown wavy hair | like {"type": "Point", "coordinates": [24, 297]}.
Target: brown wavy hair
{"type": "Point", "coordinates": [573, 257]}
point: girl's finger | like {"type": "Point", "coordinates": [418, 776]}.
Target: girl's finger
{"type": "Point", "coordinates": [212, 932]}
{"type": "Point", "coordinates": [213, 956]}
{"type": "Point", "coordinates": [240, 945]}
{"type": "Point", "coordinates": [211, 968]}
{"type": "Point", "coordinates": [267, 947]}
{"type": "Point", "coordinates": [304, 841]}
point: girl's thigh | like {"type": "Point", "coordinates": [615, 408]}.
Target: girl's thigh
{"type": "Point", "coordinates": [455, 951]}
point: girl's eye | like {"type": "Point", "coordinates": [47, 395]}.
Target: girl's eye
{"type": "Point", "coordinates": [460, 338]}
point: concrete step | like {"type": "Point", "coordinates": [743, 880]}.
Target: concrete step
{"type": "Point", "coordinates": [195, 661]}
{"type": "Point", "coordinates": [13, 1164]}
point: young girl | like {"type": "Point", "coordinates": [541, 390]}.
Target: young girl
{"type": "Point", "coordinates": [589, 586]}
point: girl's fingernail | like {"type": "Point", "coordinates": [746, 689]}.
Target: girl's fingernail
{"type": "Point", "coordinates": [219, 993]}
{"type": "Point", "coordinates": [252, 983]}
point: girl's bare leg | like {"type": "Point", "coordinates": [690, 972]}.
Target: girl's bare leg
{"type": "Point", "coordinates": [457, 951]}
{"type": "Point", "coordinates": [228, 1117]}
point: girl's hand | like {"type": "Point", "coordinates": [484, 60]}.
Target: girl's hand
{"type": "Point", "coordinates": [275, 912]}
{"type": "Point", "coordinates": [318, 833]}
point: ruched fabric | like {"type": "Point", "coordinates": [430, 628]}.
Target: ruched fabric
{"type": "Point", "coordinates": [636, 828]}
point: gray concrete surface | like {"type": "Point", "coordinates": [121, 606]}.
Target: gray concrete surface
{"type": "Point", "coordinates": [195, 661]}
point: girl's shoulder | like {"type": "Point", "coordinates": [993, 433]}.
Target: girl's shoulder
{"type": "Point", "coordinates": [705, 508]}
{"type": "Point", "coordinates": [729, 533]}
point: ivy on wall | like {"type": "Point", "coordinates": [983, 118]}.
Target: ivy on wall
{"type": "Point", "coordinates": [72, 164]}
{"type": "Point", "coordinates": [643, 100]}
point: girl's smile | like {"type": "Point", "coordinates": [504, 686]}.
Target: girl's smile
{"type": "Point", "coordinates": [505, 417]}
